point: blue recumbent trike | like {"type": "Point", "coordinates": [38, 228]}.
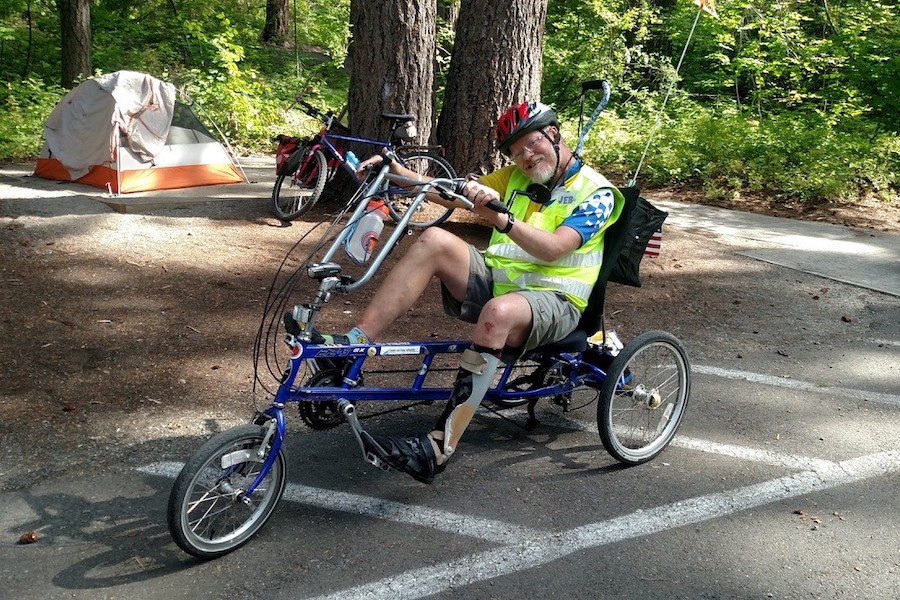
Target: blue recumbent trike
{"type": "Point", "coordinates": [231, 485]}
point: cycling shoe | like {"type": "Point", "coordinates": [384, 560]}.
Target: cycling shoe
{"type": "Point", "coordinates": [413, 455]}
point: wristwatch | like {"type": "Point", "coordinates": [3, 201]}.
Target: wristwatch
{"type": "Point", "coordinates": [510, 219]}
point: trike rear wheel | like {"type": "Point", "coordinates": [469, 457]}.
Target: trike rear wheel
{"type": "Point", "coordinates": [206, 515]}
{"type": "Point", "coordinates": [644, 397]}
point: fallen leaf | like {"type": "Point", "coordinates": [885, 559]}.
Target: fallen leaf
{"type": "Point", "coordinates": [29, 538]}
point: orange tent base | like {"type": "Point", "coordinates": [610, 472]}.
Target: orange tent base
{"type": "Point", "coordinates": [143, 180]}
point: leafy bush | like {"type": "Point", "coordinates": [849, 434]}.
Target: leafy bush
{"type": "Point", "coordinates": [795, 155]}
{"type": "Point", "coordinates": [24, 106]}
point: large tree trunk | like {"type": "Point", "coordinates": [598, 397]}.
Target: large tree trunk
{"type": "Point", "coordinates": [496, 62]}
{"type": "Point", "coordinates": [75, 26]}
{"type": "Point", "coordinates": [391, 64]}
{"type": "Point", "coordinates": [277, 29]}
{"type": "Point", "coordinates": [391, 59]}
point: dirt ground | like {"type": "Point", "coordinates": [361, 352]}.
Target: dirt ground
{"type": "Point", "coordinates": [125, 335]}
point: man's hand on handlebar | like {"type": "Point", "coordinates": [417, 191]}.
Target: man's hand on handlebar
{"type": "Point", "coordinates": [480, 195]}
{"type": "Point", "coordinates": [372, 161]}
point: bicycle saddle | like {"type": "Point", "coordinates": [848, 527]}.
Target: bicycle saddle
{"type": "Point", "coordinates": [574, 342]}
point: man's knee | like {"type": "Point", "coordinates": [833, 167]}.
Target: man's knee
{"type": "Point", "coordinates": [508, 310]}
{"type": "Point", "coordinates": [437, 238]}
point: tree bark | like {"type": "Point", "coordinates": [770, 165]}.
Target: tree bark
{"type": "Point", "coordinates": [75, 28]}
{"type": "Point", "coordinates": [277, 29]}
{"type": "Point", "coordinates": [391, 63]}
{"type": "Point", "coordinates": [496, 63]}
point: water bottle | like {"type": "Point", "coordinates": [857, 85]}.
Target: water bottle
{"type": "Point", "coordinates": [351, 159]}
{"type": "Point", "coordinates": [361, 242]}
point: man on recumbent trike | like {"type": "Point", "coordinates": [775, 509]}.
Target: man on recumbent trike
{"type": "Point", "coordinates": [527, 290]}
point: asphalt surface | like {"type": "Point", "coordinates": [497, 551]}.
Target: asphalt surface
{"type": "Point", "coordinates": [776, 488]}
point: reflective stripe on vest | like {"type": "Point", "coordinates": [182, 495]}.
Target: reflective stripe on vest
{"type": "Point", "coordinates": [514, 252]}
{"type": "Point", "coordinates": [573, 274]}
{"type": "Point", "coordinates": [565, 285]}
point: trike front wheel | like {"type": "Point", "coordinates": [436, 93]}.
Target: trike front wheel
{"type": "Point", "coordinates": [644, 397]}
{"type": "Point", "coordinates": [208, 515]}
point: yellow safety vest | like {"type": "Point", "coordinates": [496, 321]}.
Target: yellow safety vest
{"type": "Point", "coordinates": [575, 273]}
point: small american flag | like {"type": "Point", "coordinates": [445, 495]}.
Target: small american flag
{"type": "Point", "coordinates": [653, 246]}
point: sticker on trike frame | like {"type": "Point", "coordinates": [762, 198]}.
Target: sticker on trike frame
{"type": "Point", "coordinates": [399, 350]}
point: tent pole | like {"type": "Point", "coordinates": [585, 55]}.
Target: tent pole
{"type": "Point", "coordinates": [118, 165]}
{"type": "Point", "coordinates": [224, 140]}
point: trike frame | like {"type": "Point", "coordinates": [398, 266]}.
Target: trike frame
{"type": "Point", "coordinates": [642, 391]}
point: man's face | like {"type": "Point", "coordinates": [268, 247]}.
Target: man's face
{"type": "Point", "coordinates": [534, 155]}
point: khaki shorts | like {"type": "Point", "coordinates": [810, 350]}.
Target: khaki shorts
{"type": "Point", "coordinates": [553, 316]}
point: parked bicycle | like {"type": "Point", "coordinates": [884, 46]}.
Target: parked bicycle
{"type": "Point", "coordinates": [303, 173]}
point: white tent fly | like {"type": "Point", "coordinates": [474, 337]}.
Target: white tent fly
{"type": "Point", "coordinates": [127, 132]}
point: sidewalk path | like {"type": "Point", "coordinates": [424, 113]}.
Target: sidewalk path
{"type": "Point", "coordinates": [865, 258]}
{"type": "Point", "coordinates": [868, 259]}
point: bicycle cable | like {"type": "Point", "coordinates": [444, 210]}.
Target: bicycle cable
{"type": "Point", "coordinates": [267, 341]}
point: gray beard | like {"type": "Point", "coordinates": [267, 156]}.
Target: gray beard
{"type": "Point", "coordinates": [543, 174]}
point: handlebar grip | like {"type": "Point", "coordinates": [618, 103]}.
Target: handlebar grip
{"type": "Point", "coordinates": [494, 205]}
{"type": "Point", "coordinates": [497, 206]}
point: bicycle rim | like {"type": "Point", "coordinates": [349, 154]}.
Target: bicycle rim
{"type": "Point", "coordinates": [644, 397]}
{"type": "Point", "coordinates": [428, 213]}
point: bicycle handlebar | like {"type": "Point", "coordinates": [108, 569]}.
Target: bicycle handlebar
{"type": "Point", "coordinates": [450, 190]}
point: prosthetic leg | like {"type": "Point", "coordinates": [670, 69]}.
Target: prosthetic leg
{"type": "Point", "coordinates": [476, 372]}
{"type": "Point", "coordinates": [426, 455]}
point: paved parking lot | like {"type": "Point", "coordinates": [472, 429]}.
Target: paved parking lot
{"type": "Point", "coordinates": [781, 484]}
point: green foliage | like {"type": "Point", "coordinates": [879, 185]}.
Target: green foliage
{"type": "Point", "coordinates": [726, 152]}
{"type": "Point", "coordinates": [24, 106]}
{"type": "Point", "coordinates": [792, 98]}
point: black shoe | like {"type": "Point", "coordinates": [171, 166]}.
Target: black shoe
{"type": "Point", "coordinates": [413, 455]}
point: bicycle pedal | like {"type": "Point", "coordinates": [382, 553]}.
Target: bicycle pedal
{"type": "Point", "coordinates": [374, 460]}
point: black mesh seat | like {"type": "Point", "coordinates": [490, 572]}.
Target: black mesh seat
{"type": "Point", "coordinates": [615, 237]}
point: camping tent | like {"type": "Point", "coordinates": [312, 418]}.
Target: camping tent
{"type": "Point", "coordinates": [126, 132]}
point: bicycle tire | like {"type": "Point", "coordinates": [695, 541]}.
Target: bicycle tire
{"type": "Point", "coordinates": [428, 213]}
{"type": "Point", "coordinates": [305, 185]}
{"type": "Point", "coordinates": [203, 485]}
{"type": "Point", "coordinates": [644, 397]}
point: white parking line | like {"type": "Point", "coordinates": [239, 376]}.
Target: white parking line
{"type": "Point", "coordinates": [885, 342]}
{"type": "Point", "coordinates": [531, 553]}
{"type": "Point", "coordinates": [467, 525]}
{"type": "Point", "coordinates": [525, 548]}
{"type": "Point", "coordinates": [796, 384]}
{"type": "Point", "coordinates": [766, 457]}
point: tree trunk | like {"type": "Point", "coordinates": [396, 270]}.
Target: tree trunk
{"type": "Point", "coordinates": [449, 11]}
{"type": "Point", "coordinates": [75, 27]}
{"type": "Point", "coordinates": [277, 29]}
{"type": "Point", "coordinates": [496, 62]}
{"type": "Point", "coordinates": [391, 63]}
{"type": "Point", "coordinates": [391, 60]}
